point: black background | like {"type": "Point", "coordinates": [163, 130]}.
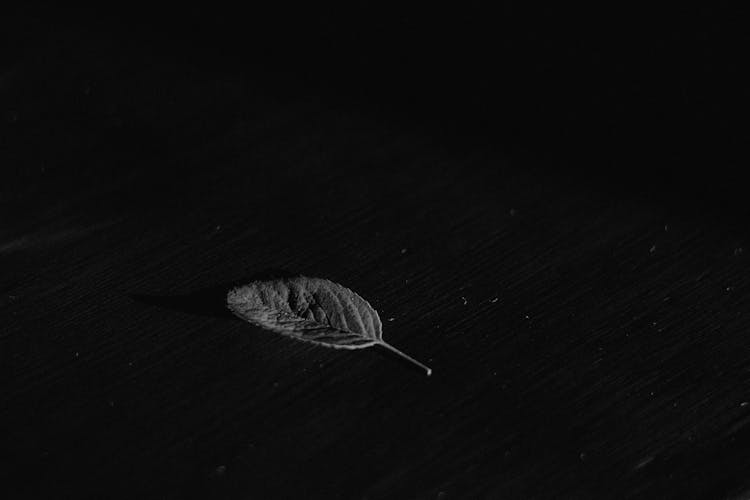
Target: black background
{"type": "Point", "coordinates": [546, 205]}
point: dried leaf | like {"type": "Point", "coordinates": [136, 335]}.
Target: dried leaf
{"type": "Point", "coordinates": [313, 310]}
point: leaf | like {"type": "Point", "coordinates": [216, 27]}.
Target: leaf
{"type": "Point", "coordinates": [312, 310]}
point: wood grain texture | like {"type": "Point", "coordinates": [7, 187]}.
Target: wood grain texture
{"type": "Point", "coordinates": [584, 344]}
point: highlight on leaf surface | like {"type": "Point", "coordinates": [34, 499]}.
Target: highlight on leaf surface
{"type": "Point", "coordinates": [312, 310]}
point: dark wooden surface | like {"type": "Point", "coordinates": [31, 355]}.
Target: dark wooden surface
{"type": "Point", "coordinates": [581, 296]}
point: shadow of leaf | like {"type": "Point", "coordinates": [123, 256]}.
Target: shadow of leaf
{"type": "Point", "coordinates": [210, 301]}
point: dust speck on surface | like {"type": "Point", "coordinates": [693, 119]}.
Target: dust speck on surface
{"type": "Point", "coordinates": [494, 300]}
{"type": "Point", "coordinates": [643, 462]}
{"type": "Point", "coordinates": [391, 319]}
{"type": "Point", "coordinates": [744, 404]}
{"type": "Point", "coordinates": [737, 251]}
{"type": "Point", "coordinates": [403, 251]}
{"type": "Point", "coordinates": [464, 300]}
{"type": "Point", "coordinates": [652, 249]}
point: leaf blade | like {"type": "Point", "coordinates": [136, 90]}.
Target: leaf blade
{"type": "Point", "coordinates": [313, 310]}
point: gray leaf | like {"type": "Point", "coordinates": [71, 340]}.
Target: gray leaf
{"type": "Point", "coordinates": [313, 310]}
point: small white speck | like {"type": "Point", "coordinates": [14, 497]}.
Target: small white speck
{"type": "Point", "coordinates": [526, 316]}
{"type": "Point", "coordinates": [729, 288]}
{"type": "Point", "coordinates": [76, 354]}
{"type": "Point", "coordinates": [391, 319]}
{"type": "Point", "coordinates": [403, 251]}
{"type": "Point", "coordinates": [218, 228]}
{"type": "Point", "coordinates": [744, 404]}
{"type": "Point", "coordinates": [465, 301]}
{"type": "Point", "coordinates": [495, 300]}
{"type": "Point", "coordinates": [737, 251]}
{"type": "Point", "coordinates": [666, 227]}
{"type": "Point", "coordinates": [652, 249]}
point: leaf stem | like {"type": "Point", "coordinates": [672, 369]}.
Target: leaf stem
{"type": "Point", "coordinates": [406, 356]}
